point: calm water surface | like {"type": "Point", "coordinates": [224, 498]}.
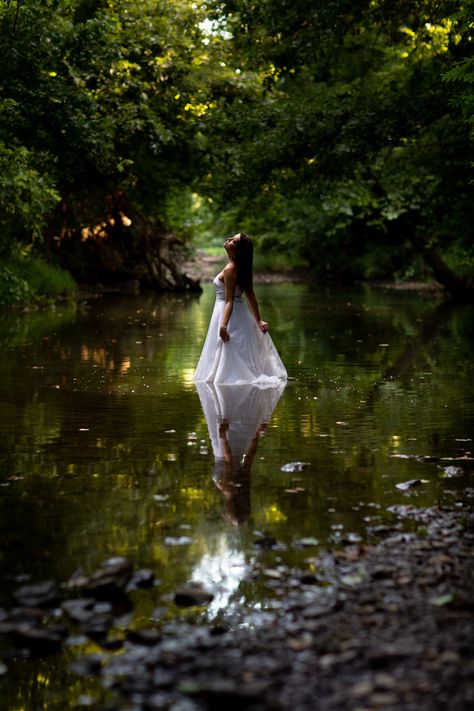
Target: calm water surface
{"type": "Point", "coordinates": [108, 449]}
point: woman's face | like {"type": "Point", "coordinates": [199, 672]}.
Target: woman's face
{"type": "Point", "coordinates": [230, 245]}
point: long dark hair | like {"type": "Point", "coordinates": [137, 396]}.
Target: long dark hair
{"type": "Point", "coordinates": [244, 262]}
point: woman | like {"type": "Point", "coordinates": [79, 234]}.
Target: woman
{"type": "Point", "coordinates": [238, 348]}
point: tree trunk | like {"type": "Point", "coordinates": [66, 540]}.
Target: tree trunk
{"type": "Point", "coordinates": [456, 285]}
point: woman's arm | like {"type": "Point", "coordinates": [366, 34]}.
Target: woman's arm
{"type": "Point", "coordinates": [230, 278]}
{"type": "Point", "coordinates": [252, 302]}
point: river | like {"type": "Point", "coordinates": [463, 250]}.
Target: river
{"type": "Point", "coordinates": [108, 449]}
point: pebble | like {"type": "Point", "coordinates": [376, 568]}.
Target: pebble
{"type": "Point", "coordinates": [295, 467]}
{"type": "Point", "coordinates": [375, 643]}
{"type": "Point", "coordinates": [44, 594]}
{"type": "Point", "coordinates": [107, 582]}
{"type": "Point", "coordinates": [191, 595]}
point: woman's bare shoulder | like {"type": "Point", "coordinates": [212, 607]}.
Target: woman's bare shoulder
{"type": "Point", "coordinates": [229, 272]}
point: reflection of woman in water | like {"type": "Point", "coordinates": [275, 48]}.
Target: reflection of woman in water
{"type": "Point", "coordinates": [238, 348]}
{"type": "Point", "coordinates": [236, 418]}
{"type": "Point", "coordinates": [232, 476]}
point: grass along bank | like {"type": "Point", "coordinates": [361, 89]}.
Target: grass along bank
{"type": "Point", "coordinates": [25, 281]}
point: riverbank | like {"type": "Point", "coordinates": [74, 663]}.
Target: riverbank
{"type": "Point", "coordinates": [383, 626]}
{"type": "Point", "coordinates": [387, 625]}
{"type": "Point", "coordinates": [204, 267]}
{"type": "Point", "coordinates": [33, 283]}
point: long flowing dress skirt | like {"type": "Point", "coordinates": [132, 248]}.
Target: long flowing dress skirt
{"type": "Point", "coordinates": [249, 357]}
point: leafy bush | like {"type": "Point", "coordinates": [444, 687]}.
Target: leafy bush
{"type": "Point", "coordinates": [26, 198]}
{"type": "Point", "coordinates": [32, 279]}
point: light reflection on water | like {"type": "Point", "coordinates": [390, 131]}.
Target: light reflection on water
{"type": "Point", "coordinates": [108, 449]}
{"type": "Point", "coordinates": [221, 572]}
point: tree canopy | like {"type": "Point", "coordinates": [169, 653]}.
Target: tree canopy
{"type": "Point", "coordinates": [356, 150]}
{"type": "Point", "coordinates": [339, 136]}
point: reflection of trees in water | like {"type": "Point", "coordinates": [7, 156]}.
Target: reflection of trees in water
{"type": "Point", "coordinates": [236, 417]}
{"type": "Point", "coordinates": [85, 481]}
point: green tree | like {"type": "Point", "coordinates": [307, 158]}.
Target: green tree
{"type": "Point", "coordinates": [355, 152]}
{"type": "Point", "coordinates": [103, 96]}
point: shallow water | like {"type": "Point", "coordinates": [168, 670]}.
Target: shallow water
{"type": "Point", "coordinates": [106, 449]}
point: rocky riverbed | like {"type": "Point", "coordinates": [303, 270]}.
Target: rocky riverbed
{"type": "Point", "coordinates": [388, 625]}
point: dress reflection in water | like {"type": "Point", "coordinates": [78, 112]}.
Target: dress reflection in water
{"type": "Point", "coordinates": [236, 418]}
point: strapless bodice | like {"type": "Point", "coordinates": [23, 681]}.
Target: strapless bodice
{"type": "Point", "coordinates": [220, 290]}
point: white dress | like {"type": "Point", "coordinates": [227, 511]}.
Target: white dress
{"type": "Point", "coordinates": [249, 356]}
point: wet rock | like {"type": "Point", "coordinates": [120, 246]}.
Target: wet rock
{"type": "Point", "coordinates": [309, 579]}
{"type": "Point", "coordinates": [226, 694]}
{"type": "Point", "coordinates": [383, 699]}
{"type": "Point", "coordinates": [38, 640]}
{"type": "Point", "coordinates": [87, 666]}
{"type": "Point", "coordinates": [322, 607]}
{"type": "Point", "coordinates": [178, 541]}
{"type": "Point", "coordinates": [361, 689]}
{"type": "Point", "coordinates": [295, 467]}
{"type": "Point", "coordinates": [382, 680]}
{"type": "Point", "coordinates": [27, 615]}
{"type": "Point", "coordinates": [44, 594]}
{"type": "Point", "coordinates": [411, 484]}
{"type": "Point", "coordinates": [382, 571]}
{"type": "Point", "coordinates": [112, 645]}
{"type": "Point", "coordinates": [136, 687]}
{"type": "Point", "coordinates": [219, 629]}
{"type": "Point", "coordinates": [106, 583]}
{"type": "Point", "coordinates": [79, 610]}
{"type": "Point", "coordinates": [386, 655]}
{"type": "Point", "coordinates": [192, 594]}
{"type": "Point", "coordinates": [97, 628]}
{"type": "Point", "coordinates": [265, 542]}
{"type": "Point", "coordinates": [144, 636]}
{"type": "Point", "coordinates": [453, 471]}
{"type": "Point", "coordinates": [298, 644]}
{"type": "Point", "coordinates": [76, 640]}
{"type": "Point", "coordinates": [144, 578]}
{"type": "Point", "coordinates": [307, 542]}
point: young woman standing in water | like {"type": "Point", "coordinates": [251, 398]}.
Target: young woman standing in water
{"type": "Point", "coordinates": [238, 348]}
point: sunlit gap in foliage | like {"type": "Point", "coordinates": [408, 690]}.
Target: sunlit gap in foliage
{"type": "Point", "coordinates": [213, 28]}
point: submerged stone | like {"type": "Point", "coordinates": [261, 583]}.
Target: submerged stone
{"type": "Point", "coordinates": [44, 594]}
{"type": "Point", "coordinates": [411, 484]}
{"type": "Point", "coordinates": [144, 636]}
{"type": "Point", "coordinates": [295, 466]}
{"type": "Point", "coordinates": [193, 594]}
{"type": "Point", "coordinates": [144, 578]}
{"type": "Point", "coordinates": [107, 582]}
{"type": "Point", "coordinates": [38, 640]}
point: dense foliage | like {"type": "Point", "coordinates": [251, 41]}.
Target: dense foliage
{"type": "Point", "coordinates": [338, 134]}
{"type": "Point", "coordinates": [355, 152]}
{"type": "Point", "coordinates": [94, 129]}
